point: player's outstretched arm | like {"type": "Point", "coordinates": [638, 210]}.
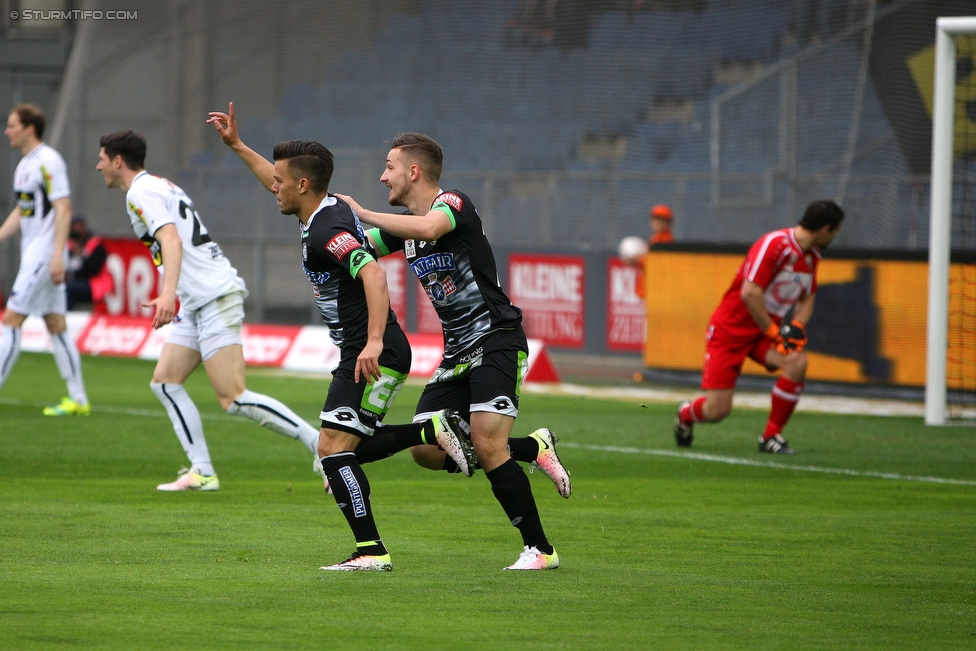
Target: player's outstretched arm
{"type": "Point", "coordinates": [378, 307]}
{"type": "Point", "coordinates": [171, 251]}
{"type": "Point", "coordinates": [226, 126]}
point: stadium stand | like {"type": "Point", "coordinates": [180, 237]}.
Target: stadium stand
{"type": "Point", "coordinates": [501, 108]}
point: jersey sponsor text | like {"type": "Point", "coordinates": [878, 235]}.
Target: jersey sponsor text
{"type": "Point", "coordinates": [436, 262]}
{"type": "Point", "coordinates": [451, 199]}
{"type": "Point", "coordinates": [341, 245]}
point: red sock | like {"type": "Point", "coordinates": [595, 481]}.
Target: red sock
{"type": "Point", "coordinates": [692, 412]}
{"type": "Point", "coordinates": [786, 394]}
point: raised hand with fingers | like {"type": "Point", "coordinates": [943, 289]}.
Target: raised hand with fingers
{"type": "Point", "coordinates": [226, 125]}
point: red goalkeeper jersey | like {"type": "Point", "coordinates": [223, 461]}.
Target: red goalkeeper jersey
{"type": "Point", "coordinates": [778, 265]}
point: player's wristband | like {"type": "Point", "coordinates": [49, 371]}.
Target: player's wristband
{"type": "Point", "coordinates": [772, 332]}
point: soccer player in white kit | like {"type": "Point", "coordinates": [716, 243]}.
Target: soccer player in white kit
{"type": "Point", "coordinates": [207, 328]}
{"type": "Point", "coordinates": [43, 217]}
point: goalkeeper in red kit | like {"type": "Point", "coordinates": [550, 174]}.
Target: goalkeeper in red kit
{"type": "Point", "coordinates": [763, 316]}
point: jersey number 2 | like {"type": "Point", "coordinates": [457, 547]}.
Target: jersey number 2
{"type": "Point", "coordinates": [198, 238]}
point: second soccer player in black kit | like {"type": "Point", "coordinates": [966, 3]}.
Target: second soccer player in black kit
{"type": "Point", "coordinates": [485, 349]}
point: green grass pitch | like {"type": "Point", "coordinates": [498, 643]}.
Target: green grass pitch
{"type": "Point", "coordinates": [657, 551]}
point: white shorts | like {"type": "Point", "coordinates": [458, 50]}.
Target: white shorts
{"type": "Point", "coordinates": [34, 293]}
{"type": "Point", "coordinates": [214, 326]}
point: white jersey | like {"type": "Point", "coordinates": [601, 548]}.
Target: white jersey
{"type": "Point", "coordinates": [41, 178]}
{"type": "Point", "coordinates": [153, 202]}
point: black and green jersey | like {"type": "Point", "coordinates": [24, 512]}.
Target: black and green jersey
{"type": "Point", "coordinates": [333, 252]}
{"type": "Point", "coordinates": [458, 273]}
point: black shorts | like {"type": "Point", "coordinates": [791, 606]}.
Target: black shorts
{"type": "Point", "coordinates": [357, 407]}
{"type": "Point", "coordinates": [487, 376]}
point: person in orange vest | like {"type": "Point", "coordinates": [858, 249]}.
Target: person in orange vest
{"type": "Point", "coordinates": [89, 279]}
{"type": "Point", "coordinates": [661, 218]}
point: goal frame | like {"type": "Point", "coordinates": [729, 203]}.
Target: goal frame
{"type": "Point", "coordinates": [940, 214]}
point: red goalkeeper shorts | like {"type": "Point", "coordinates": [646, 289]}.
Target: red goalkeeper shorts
{"type": "Point", "coordinates": [725, 354]}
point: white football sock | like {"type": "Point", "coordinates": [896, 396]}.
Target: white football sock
{"type": "Point", "coordinates": [69, 364]}
{"type": "Point", "coordinates": [186, 423]}
{"type": "Point", "coordinates": [274, 415]}
{"type": "Point", "coordinates": [9, 350]}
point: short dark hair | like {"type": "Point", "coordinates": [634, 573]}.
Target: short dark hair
{"type": "Point", "coordinates": [128, 144]}
{"type": "Point", "coordinates": [31, 115]}
{"type": "Point", "coordinates": [309, 160]}
{"type": "Point", "coordinates": [822, 213]}
{"type": "Point", "coordinates": [424, 150]}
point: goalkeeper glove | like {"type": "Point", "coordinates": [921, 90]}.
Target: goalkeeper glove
{"type": "Point", "coordinates": [792, 338]}
{"type": "Point", "coordinates": [772, 333]}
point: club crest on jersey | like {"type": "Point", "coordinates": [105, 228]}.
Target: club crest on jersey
{"type": "Point", "coordinates": [433, 263]}
{"type": "Point", "coordinates": [451, 199]}
{"type": "Point", "coordinates": [785, 289]}
{"type": "Point", "coordinates": [439, 291]}
{"type": "Point", "coordinates": [342, 244]}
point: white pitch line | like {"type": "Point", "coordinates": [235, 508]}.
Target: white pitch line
{"type": "Point", "coordinates": [696, 456]}
{"type": "Point", "coordinates": [751, 400]}
{"type": "Point", "coordinates": [735, 461]}
{"type": "Point", "coordinates": [642, 393]}
{"type": "Point", "coordinates": [125, 411]}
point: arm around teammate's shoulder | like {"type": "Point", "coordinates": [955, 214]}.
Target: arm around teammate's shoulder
{"type": "Point", "coordinates": [427, 228]}
{"type": "Point", "coordinates": [434, 225]}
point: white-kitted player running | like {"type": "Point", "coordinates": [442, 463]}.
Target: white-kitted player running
{"type": "Point", "coordinates": [207, 328]}
{"type": "Point", "coordinates": [43, 217]}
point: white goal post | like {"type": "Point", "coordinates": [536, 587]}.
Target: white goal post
{"type": "Point", "coordinates": [940, 214]}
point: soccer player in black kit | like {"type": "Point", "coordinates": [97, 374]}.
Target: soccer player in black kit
{"type": "Point", "coordinates": [485, 349]}
{"type": "Point", "coordinates": [351, 292]}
